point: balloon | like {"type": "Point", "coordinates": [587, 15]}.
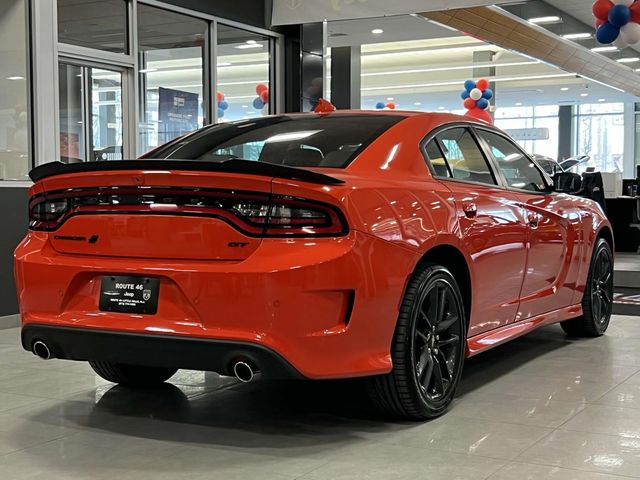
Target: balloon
{"type": "Point", "coordinates": [464, 94]}
{"type": "Point", "coordinates": [391, 106]}
{"type": "Point", "coordinates": [635, 12]}
{"type": "Point", "coordinates": [223, 105]}
{"type": "Point", "coordinates": [264, 96]}
{"type": "Point", "coordinates": [601, 9]}
{"type": "Point", "coordinates": [607, 33]}
{"type": "Point", "coordinates": [469, 85]}
{"type": "Point", "coordinates": [630, 33]}
{"type": "Point", "coordinates": [620, 43]}
{"type": "Point", "coordinates": [469, 103]}
{"type": "Point", "coordinates": [380, 105]}
{"type": "Point", "coordinates": [599, 22]}
{"type": "Point", "coordinates": [619, 15]}
{"type": "Point", "coordinates": [476, 94]}
{"type": "Point", "coordinates": [483, 103]}
{"type": "Point", "coordinates": [488, 94]}
{"type": "Point", "coordinates": [480, 114]}
{"type": "Point", "coordinates": [623, 2]}
{"type": "Point", "coordinates": [482, 84]}
{"type": "Point", "coordinates": [220, 113]}
{"type": "Point", "coordinates": [261, 87]}
{"type": "Point", "coordinates": [220, 96]}
{"type": "Point", "coordinates": [258, 104]}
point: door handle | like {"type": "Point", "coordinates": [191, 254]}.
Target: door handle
{"type": "Point", "coordinates": [470, 210]}
{"type": "Point", "coordinates": [534, 219]}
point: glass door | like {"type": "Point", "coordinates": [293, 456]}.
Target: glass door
{"type": "Point", "coordinates": [91, 113]}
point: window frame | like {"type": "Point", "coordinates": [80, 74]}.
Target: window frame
{"type": "Point", "coordinates": [431, 136]}
{"type": "Point", "coordinates": [488, 153]}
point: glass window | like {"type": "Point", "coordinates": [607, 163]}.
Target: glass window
{"type": "Point", "coordinates": [171, 59]}
{"type": "Point", "coordinates": [464, 157]}
{"type": "Point", "coordinates": [437, 160]}
{"type": "Point", "coordinates": [519, 171]}
{"type": "Point", "coordinates": [600, 135]}
{"type": "Point", "coordinates": [309, 141]}
{"type": "Point", "coordinates": [243, 71]}
{"type": "Point", "coordinates": [71, 113]}
{"type": "Point", "coordinates": [14, 126]}
{"type": "Point", "coordinates": [106, 114]}
{"type": "Point", "coordinates": [99, 24]}
{"type": "Point", "coordinates": [535, 129]}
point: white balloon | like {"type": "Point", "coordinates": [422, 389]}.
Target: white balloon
{"type": "Point", "coordinates": [620, 42]}
{"type": "Point", "coordinates": [476, 94]}
{"type": "Point", "coordinates": [630, 33]}
{"type": "Point", "coordinates": [628, 3]}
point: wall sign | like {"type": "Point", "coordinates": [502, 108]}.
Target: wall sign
{"type": "Point", "coordinates": [528, 133]}
{"type": "Point", "coordinates": [177, 113]}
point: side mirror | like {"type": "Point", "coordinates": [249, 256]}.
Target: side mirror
{"type": "Point", "coordinates": [565, 182]}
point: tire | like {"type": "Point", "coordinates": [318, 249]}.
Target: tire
{"type": "Point", "coordinates": [132, 375]}
{"type": "Point", "coordinates": [426, 370]}
{"type": "Point", "coordinates": [597, 302]}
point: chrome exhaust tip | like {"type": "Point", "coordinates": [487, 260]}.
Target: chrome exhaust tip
{"type": "Point", "coordinates": [41, 350]}
{"type": "Point", "coordinates": [243, 372]}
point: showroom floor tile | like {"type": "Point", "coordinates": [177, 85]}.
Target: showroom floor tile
{"type": "Point", "coordinates": [542, 407]}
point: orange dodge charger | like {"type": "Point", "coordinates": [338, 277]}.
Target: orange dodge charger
{"type": "Point", "coordinates": [389, 245]}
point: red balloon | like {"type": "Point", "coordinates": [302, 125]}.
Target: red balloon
{"type": "Point", "coordinates": [391, 106]}
{"type": "Point", "coordinates": [264, 96]}
{"type": "Point", "coordinates": [482, 84]}
{"type": "Point", "coordinates": [261, 87]}
{"type": "Point", "coordinates": [601, 9]}
{"type": "Point", "coordinates": [220, 96]}
{"type": "Point", "coordinates": [599, 22]}
{"type": "Point", "coordinates": [635, 12]}
{"type": "Point", "coordinates": [480, 114]}
{"type": "Point", "coordinates": [324, 106]}
{"type": "Point", "coordinates": [469, 104]}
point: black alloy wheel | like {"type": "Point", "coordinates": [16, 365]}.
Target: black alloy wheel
{"type": "Point", "coordinates": [428, 348]}
{"type": "Point", "coordinates": [597, 303]}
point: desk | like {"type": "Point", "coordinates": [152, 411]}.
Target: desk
{"type": "Point", "coordinates": [624, 215]}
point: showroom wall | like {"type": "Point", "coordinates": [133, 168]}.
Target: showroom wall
{"type": "Point", "coordinates": [251, 12]}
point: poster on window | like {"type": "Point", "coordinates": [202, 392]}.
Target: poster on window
{"type": "Point", "coordinates": [177, 113]}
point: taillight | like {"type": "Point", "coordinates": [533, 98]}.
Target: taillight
{"type": "Point", "coordinates": [255, 214]}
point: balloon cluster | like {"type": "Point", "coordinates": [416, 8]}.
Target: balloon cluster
{"type": "Point", "coordinates": [223, 105]}
{"type": "Point", "coordinates": [476, 96]}
{"type": "Point", "coordinates": [388, 105]}
{"type": "Point", "coordinates": [263, 96]}
{"type": "Point", "coordinates": [617, 22]}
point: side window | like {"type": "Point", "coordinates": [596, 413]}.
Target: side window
{"type": "Point", "coordinates": [437, 160]}
{"type": "Point", "coordinates": [519, 171]}
{"type": "Point", "coordinates": [463, 156]}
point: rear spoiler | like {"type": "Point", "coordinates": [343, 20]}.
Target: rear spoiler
{"type": "Point", "coordinates": [230, 166]}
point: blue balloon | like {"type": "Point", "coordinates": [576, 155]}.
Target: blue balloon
{"type": "Point", "coordinates": [619, 15]}
{"type": "Point", "coordinates": [488, 94]}
{"type": "Point", "coordinates": [469, 85]}
{"type": "Point", "coordinates": [483, 103]}
{"type": "Point", "coordinates": [465, 94]}
{"type": "Point", "coordinates": [258, 104]}
{"type": "Point", "coordinates": [380, 105]}
{"type": "Point", "coordinates": [220, 113]}
{"type": "Point", "coordinates": [607, 33]}
{"type": "Point", "coordinates": [223, 105]}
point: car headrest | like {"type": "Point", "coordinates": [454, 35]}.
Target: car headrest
{"type": "Point", "coordinates": [302, 157]}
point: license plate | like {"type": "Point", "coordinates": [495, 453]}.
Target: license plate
{"type": "Point", "coordinates": [129, 294]}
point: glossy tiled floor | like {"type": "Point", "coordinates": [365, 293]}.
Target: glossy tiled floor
{"type": "Point", "coordinates": [542, 407]}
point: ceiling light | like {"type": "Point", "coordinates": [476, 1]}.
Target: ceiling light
{"type": "Point", "coordinates": [17, 77]}
{"type": "Point", "coordinates": [601, 100]}
{"type": "Point", "coordinates": [245, 106]}
{"type": "Point", "coordinates": [224, 64]}
{"type": "Point", "coordinates": [251, 42]}
{"type": "Point", "coordinates": [446, 69]}
{"type": "Point", "coordinates": [565, 89]}
{"type": "Point", "coordinates": [147, 70]}
{"type": "Point", "coordinates": [417, 104]}
{"type": "Point", "coordinates": [377, 31]}
{"type": "Point", "coordinates": [549, 19]}
{"type": "Point", "coordinates": [577, 36]}
{"type": "Point", "coordinates": [390, 99]}
{"type": "Point", "coordinates": [605, 49]}
{"type": "Point", "coordinates": [441, 108]}
{"type": "Point", "coordinates": [584, 94]}
{"type": "Point", "coordinates": [628, 60]}
{"type": "Point", "coordinates": [519, 104]}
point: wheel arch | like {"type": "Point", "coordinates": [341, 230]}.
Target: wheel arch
{"type": "Point", "coordinates": [606, 233]}
{"type": "Point", "coordinates": [454, 260]}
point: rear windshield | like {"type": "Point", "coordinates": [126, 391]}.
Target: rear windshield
{"type": "Point", "coordinates": [331, 141]}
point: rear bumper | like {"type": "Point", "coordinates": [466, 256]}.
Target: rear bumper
{"type": "Point", "coordinates": [327, 306]}
{"type": "Point", "coordinates": [156, 350]}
